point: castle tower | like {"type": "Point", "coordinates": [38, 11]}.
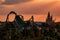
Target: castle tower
{"type": "Point", "coordinates": [49, 19]}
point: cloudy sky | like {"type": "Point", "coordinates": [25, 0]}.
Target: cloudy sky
{"type": "Point", "coordinates": [38, 8]}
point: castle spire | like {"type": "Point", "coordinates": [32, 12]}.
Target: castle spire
{"type": "Point", "coordinates": [48, 15]}
{"type": "Point", "coordinates": [49, 19]}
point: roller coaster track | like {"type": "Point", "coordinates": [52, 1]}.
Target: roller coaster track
{"type": "Point", "coordinates": [12, 12]}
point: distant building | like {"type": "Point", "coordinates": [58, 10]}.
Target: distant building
{"type": "Point", "coordinates": [49, 19]}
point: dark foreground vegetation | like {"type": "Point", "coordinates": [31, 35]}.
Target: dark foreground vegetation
{"type": "Point", "coordinates": [29, 30]}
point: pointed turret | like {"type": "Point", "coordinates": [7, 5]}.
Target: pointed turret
{"type": "Point", "coordinates": [49, 19]}
{"type": "Point", "coordinates": [48, 15]}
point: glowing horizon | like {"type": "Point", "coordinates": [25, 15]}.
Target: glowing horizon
{"type": "Point", "coordinates": [37, 18]}
{"type": "Point", "coordinates": [27, 8]}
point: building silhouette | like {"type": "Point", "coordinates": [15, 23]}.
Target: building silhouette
{"type": "Point", "coordinates": [49, 19]}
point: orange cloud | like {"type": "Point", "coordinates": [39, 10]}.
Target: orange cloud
{"type": "Point", "coordinates": [36, 7]}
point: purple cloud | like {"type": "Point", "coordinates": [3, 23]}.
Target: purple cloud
{"type": "Point", "coordinates": [9, 2]}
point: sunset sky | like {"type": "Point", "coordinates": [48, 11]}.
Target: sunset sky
{"type": "Point", "coordinates": [38, 8]}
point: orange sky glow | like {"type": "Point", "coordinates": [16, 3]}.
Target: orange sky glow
{"type": "Point", "coordinates": [38, 8]}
